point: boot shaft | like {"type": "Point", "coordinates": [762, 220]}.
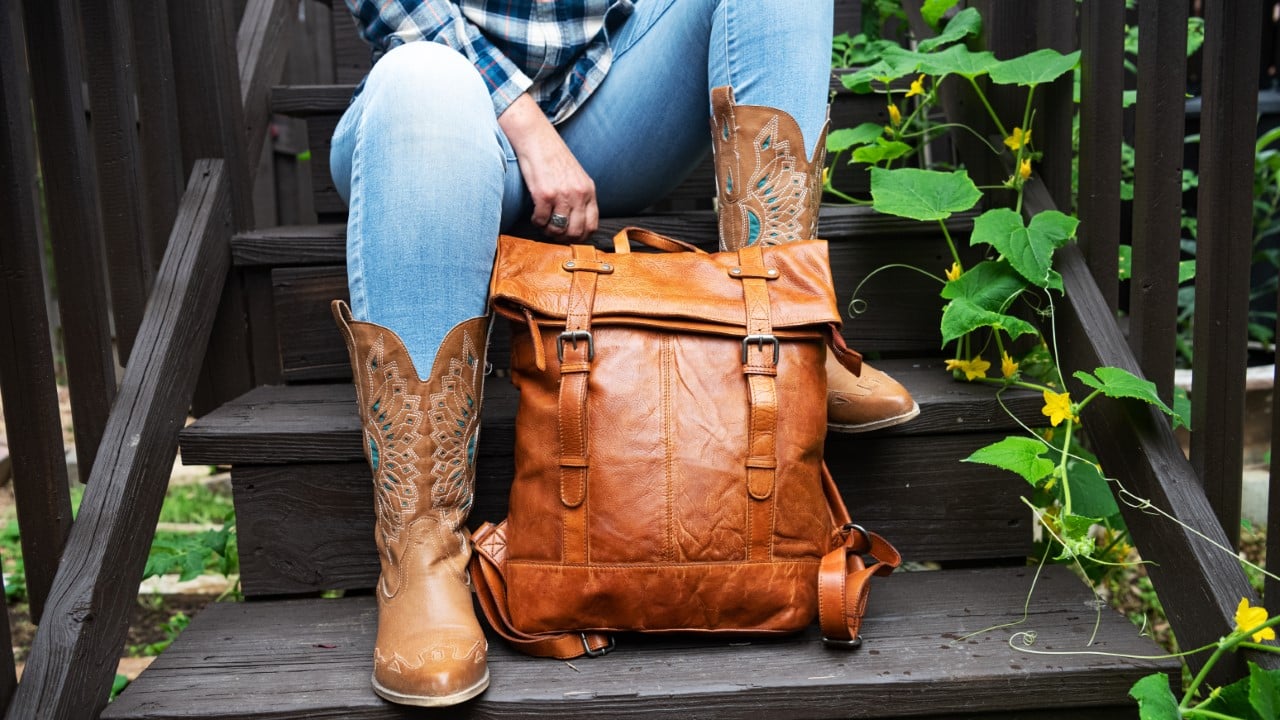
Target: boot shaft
{"type": "Point", "coordinates": [767, 191]}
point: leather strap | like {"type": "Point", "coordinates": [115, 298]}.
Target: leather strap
{"type": "Point", "coordinates": [576, 348]}
{"type": "Point", "coordinates": [622, 241]}
{"type": "Point", "coordinates": [842, 582]}
{"type": "Point", "coordinates": [488, 563]}
{"type": "Point", "coordinates": [760, 352]}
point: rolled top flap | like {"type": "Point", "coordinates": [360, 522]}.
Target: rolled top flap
{"type": "Point", "coordinates": [681, 287]}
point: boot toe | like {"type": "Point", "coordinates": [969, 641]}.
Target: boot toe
{"type": "Point", "coordinates": [447, 672]}
{"type": "Point", "coordinates": [869, 401]}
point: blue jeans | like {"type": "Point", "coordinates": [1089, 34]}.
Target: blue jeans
{"type": "Point", "coordinates": [431, 180]}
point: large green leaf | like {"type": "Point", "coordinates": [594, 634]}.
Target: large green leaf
{"type": "Point", "coordinates": [958, 60]}
{"type": "Point", "coordinates": [1155, 698]}
{"type": "Point", "coordinates": [896, 62]}
{"type": "Point", "coordinates": [965, 23]}
{"type": "Point", "coordinates": [991, 285]}
{"type": "Point", "coordinates": [1035, 68]}
{"type": "Point", "coordinates": [1090, 494]}
{"type": "Point", "coordinates": [1029, 248]}
{"type": "Point", "coordinates": [933, 10]}
{"type": "Point", "coordinates": [1117, 382]}
{"type": "Point", "coordinates": [1264, 692]}
{"type": "Point", "coordinates": [845, 138]}
{"type": "Point", "coordinates": [922, 194]}
{"type": "Point", "coordinates": [1020, 455]}
{"type": "Point", "coordinates": [961, 317]}
{"type": "Point", "coordinates": [881, 150]}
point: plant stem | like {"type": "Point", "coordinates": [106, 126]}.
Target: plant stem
{"type": "Point", "coordinates": [1062, 469]}
{"type": "Point", "coordinates": [1204, 672]}
{"type": "Point", "coordinates": [1260, 646]}
{"type": "Point", "coordinates": [1207, 714]}
{"type": "Point", "coordinates": [1022, 149]}
{"type": "Point", "coordinates": [950, 244]}
{"type": "Point", "coordinates": [990, 111]}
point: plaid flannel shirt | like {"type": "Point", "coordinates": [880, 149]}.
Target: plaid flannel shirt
{"type": "Point", "coordinates": [557, 50]}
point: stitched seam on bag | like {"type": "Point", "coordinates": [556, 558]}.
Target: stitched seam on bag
{"type": "Point", "coordinates": [660, 565]}
{"type": "Point", "coordinates": [667, 370]}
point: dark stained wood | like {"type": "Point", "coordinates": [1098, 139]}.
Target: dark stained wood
{"type": "Point", "coordinates": [33, 424]}
{"type": "Point", "coordinates": [159, 140]}
{"type": "Point", "coordinates": [304, 101]}
{"type": "Point", "coordinates": [75, 651]}
{"type": "Point", "coordinates": [263, 335]}
{"type": "Point", "coordinates": [1055, 24]}
{"type": "Point", "coordinates": [1101, 86]}
{"type": "Point", "coordinates": [1223, 255]}
{"type": "Point", "coordinates": [350, 54]}
{"type": "Point", "coordinates": [1135, 444]}
{"type": "Point", "coordinates": [76, 231]}
{"type": "Point", "coordinates": [1157, 198]}
{"type": "Point", "coordinates": [263, 37]}
{"type": "Point", "coordinates": [108, 43]}
{"type": "Point", "coordinates": [1272, 589]}
{"type": "Point", "coordinates": [328, 203]}
{"type": "Point", "coordinates": [311, 658]}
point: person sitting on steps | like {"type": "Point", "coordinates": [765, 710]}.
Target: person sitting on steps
{"type": "Point", "coordinates": [479, 114]}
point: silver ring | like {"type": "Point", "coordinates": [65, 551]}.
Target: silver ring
{"type": "Point", "coordinates": [558, 220]}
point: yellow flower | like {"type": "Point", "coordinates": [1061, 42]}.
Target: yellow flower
{"type": "Point", "coordinates": [954, 271]}
{"type": "Point", "coordinates": [974, 368]}
{"type": "Point", "coordinates": [1008, 367]}
{"type": "Point", "coordinates": [1057, 407]}
{"type": "Point", "coordinates": [826, 177]}
{"type": "Point", "coordinates": [1248, 618]}
{"type": "Point", "coordinates": [1018, 138]}
{"type": "Point", "coordinates": [917, 87]}
{"type": "Point", "coordinates": [1024, 170]}
{"type": "Point", "coordinates": [895, 116]}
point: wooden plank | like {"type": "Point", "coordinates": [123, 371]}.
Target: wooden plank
{"type": "Point", "coordinates": [75, 651]}
{"type": "Point", "coordinates": [1136, 445]}
{"type": "Point", "coordinates": [263, 38]}
{"type": "Point", "coordinates": [325, 195]}
{"type": "Point", "coordinates": [53, 55]}
{"type": "Point", "coordinates": [1055, 24]}
{"type": "Point", "coordinates": [33, 424]}
{"type": "Point", "coordinates": [1101, 86]}
{"type": "Point", "coordinates": [159, 140]}
{"type": "Point", "coordinates": [1157, 190]}
{"type": "Point", "coordinates": [1271, 591]}
{"type": "Point", "coordinates": [1224, 248]}
{"type": "Point", "coordinates": [304, 101]}
{"type": "Point", "coordinates": [311, 658]}
{"type": "Point", "coordinates": [351, 58]}
{"type": "Point", "coordinates": [263, 332]}
{"type": "Point", "coordinates": [108, 43]}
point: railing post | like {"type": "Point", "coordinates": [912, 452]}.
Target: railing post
{"type": "Point", "coordinates": [159, 141]}
{"type": "Point", "coordinates": [1157, 189]}
{"type": "Point", "coordinates": [53, 55]}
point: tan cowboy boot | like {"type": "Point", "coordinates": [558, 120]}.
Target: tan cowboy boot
{"type": "Point", "coordinates": [420, 440]}
{"type": "Point", "coordinates": [768, 193]}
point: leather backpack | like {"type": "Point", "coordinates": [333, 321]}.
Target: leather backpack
{"type": "Point", "coordinates": [669, 471]}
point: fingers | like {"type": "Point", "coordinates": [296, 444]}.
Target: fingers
{"type": "Point", "coordinates": [578, 205]}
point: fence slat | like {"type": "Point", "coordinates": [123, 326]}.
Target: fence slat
{"type": "Point", "coordinates": [1153, 292]}
{"type": "Point", "coordinates": [76, 232]}
{"type": "Point", "coordinates": [261, 44]}
{"type": "Point", "coordinates": [130, 269]}
{"type": "Point", "coordinates": [76, 647]}
{"type": "Point", "coordinates": [1223, 248]}
{"type": "Point", "coordinates": [27, 378]}
{"type": "Point", "coordinates": [159, 141]}
{"type": "Point", "coordinates": [1101, 128]}
{"type": "Point", "coordinates": [1056, 29]}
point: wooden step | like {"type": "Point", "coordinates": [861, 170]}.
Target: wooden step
{"type": "Point", "coordinates": [313, 658]}
{"type": "Point", "coordinates": [307, 271]}
{"type": "Point", "coordinates": [304, 501]}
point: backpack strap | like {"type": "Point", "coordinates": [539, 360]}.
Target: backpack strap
{"type": "Point", "coordinates": [843, 574]}
{"type": "Point", "coordinates": [488, 562]}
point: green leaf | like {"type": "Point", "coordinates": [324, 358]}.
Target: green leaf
{"type": "Point", "coordinates": [1028, 248]}
{"type": "Point", "coordinates": [1076, 540]}
{"type": "Point", "coordinates": [1264, 692]}
{"type": "Point", "coordinates": [1090, 494]}
{"type": "Point", "coordinates": [1041, 66]}
{"type": "Point", "coordinates": [1019, 455]}
{"type": "Point", "coordinates": [1117, 382]}
{"type": "Point", "coordinates": [966, 22]}
{"type": "Point", "coordinates": [961, 317]}
{"type": "Point", "coordinates": [882, 150]}
{"type": "Point", "coordinates": [1128, 98]}
{"type": "Point", "coordinates": [895, 62]}
{"type": "Point", "coordinates": [922, 194]}
{"type": "Point", "coordinates": [1126, 262]}
{"type": "Point", "coordinates": [1186, 270]}
{"type": "Point", "coordinates": [1233, 700]}
{"type": "Point", "coordinates": [1181, 408]}
{"type": "Point", "coordinates": [845, 138]}
{"type": "Point", "coordinates": [958, 60]}
{"type": "Point", "coordinates": [991, 285]}
{"type": "Point", "coordinates": [933, 10]}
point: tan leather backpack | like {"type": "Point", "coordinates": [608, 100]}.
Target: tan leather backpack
{"type": "Point", "coordinates": [669, 438]}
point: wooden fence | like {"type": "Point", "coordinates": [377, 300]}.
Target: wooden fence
{"type": "Point", "coordinates": [143, 194]}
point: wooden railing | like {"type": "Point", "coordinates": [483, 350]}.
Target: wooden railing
{"type": "Point", "coordinates": [174, 92]}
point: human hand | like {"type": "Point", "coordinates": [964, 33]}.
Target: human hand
{"type": "Point", "coordinates": [556, 181]}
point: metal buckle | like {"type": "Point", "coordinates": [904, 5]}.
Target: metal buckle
{"type": "Point", "coordinates": [760, 340]}
{"type": "Point", "coordinates": [597, 653]}
{"type": "Point", "coordinates": [573, 336]}
{"type": "Point", "coordinates": [866, 536]}
{"type": "Point", "coordinates": [853, 644]}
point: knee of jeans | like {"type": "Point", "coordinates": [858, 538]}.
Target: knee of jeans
{"type": "Point", "coordinates": [430, 73]}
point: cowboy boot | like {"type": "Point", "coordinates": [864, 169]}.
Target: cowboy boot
{"type": "Point", "coordinates": [420, 441]}
{"type": "Point", "coordinates": [768, 193]}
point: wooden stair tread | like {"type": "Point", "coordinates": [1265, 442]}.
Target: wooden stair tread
{"type": "Point", "coordinates": [317, 423]}
{"type": "Point", "coordinates": [312, 658]}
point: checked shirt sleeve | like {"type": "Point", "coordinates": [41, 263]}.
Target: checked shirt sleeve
{"type": "Point", "coordinates": [387, 24]}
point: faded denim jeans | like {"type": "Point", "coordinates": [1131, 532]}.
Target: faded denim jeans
{"type": "Point", "coordinates": [431, 180]}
